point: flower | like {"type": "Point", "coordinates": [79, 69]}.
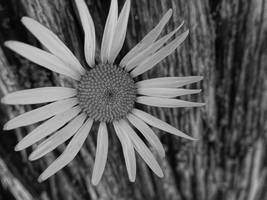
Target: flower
{"type": "Point", "coordinates": [107, 93]}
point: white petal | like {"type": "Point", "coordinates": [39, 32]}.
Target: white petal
{"type": "Point", "coordinates": [89, 32]}
{"type": "Point", "coordinates": [154, 59]}
{"type": "Point", "coordinates": [166, 92]}
{"type": "Point", "coordinates": [167, 103]}
{"type": "Point", "coordinates": [70, 152]}
{"type": "Point", "coordinates": [141, 148]}
{"type": "Point", "coordinates": [128, 152]}
{"type": "Point", "coordinates": [41, 113]}
{"type": "Point", "coordinates": [147, 40]}
{"type": "Point", "coordinates": [58, 138]}
{"type": "Point", "coordinates": [168, 82]}
{"type": "Point", "coordinates": [38, 95]}
{"type": "Point", "coordinates": [149, 50]}
{"type": "Point", "coordinates": [120, 32]}
{"type": "Point", "coordinates": [153, 121]}
{"type": "Point", "coordinates": [148, 133]}
{"type": "Point", "coordinates": [109, 31]}
{"type": "Point", "coordinates": [101, 153]}
{"type": "Point", "coordinates": [42, 58]}
{"type": "Point", "coordinates": [47, 128]}
{"type": "Point", "coordinates": [52, 43]}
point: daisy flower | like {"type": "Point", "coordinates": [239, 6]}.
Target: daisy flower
{"type": "Point", "coordinates": [106, 93]}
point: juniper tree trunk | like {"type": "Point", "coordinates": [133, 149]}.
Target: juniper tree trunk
{"type": "Point", "coordinates": [227, 45]}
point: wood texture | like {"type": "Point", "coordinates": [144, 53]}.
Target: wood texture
{"type": "Point", "coordinates": [227, 45]}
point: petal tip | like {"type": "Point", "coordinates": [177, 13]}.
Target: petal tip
{"type": "Point", "coordinates": [169, 12]}
{"type": "Point", "coordinates": [193, 139]}
{"type": "Point", "coordinates": [7, 44]}
{"type": "Point", "coordinates": [23, 19]}
{"type": "Point", "coordinates": [6, 127]}
{"type": "Point", "coordinates": [11, 44]}
{"type": "Point", "coordinates": [197, 104]}
{"type": "Point", "coordinates": [26, 21]}
{"type": "Point", "coordinates": [95, 182]}
{"type": "Point", "coordinates": [186, 32]}
{"type": "Point", "coordinates": [40, 179]}
{"type": "Point", "coordinates": [132, 179]}
{"type": "Point", "coordinates": [188, 137]}
{"type": "Point", "coordinates": [17, 148]}
{"type": "Point", "coordinates": [199, 78]}
{"type": "Point", "coordinates": [32, 157]}
{"type": "Point", "coordinates": [160, 174]}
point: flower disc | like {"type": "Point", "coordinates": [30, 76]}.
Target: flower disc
{"type": "Point", "coordinates": [106, 93]}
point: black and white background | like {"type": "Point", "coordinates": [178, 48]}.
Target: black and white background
{"type": "Point", "coordinates": [227, 45]}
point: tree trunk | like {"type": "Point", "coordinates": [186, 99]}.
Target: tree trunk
{"type": "Point", "coordinates": [227, 45]}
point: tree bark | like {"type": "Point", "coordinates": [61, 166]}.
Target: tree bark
{"type": "Point", "coordinates": [227, 45]}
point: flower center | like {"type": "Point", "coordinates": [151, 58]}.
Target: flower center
{"type": "Point", "coordinates": [106, 93]}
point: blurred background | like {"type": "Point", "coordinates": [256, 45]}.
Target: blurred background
{"type": "Point", "coordinates": [227, 45]}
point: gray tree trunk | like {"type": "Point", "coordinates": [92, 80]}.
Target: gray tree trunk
{"type": "Point", "coordinates": [227, 45]}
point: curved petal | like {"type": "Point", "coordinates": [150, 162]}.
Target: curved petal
{"type": "Point", "coordinates": [89, 32]}
{"type": "Point", "coordinates": [53, 43]}
{"type": "Point", "coordinates": [47, 128]}
{"type": "Point", "coordinates": [38, 95]}
{"type": "Point", "coordinates": [101, 153]}
{"type": "Point", "coordinates": [70, 152]}
{"type": "Point", "coordinates": [166, 92]}
{"type": "Point", "coordinates": [109, 31]}
{"type": "Point", "coordinates": [120, 32]}
{"type": "Point", "coordinates": [42, 58]}
{"type": "Point", "coordinates": [168, 82]}
{"type": "Point", "coordinates": [153, 121]}
{"type": "Point", "coordinates": [167, 103]}
{"type": "Point", "coordinates": [58, 138]}
{"type": "Point", "coordinates": [154, 59]}
{"type": "Point", "coordinates": [41, 113]}
{"type": "Point", "coordinates": [150, 50]}
{"type": "Point", "coordinates": [128, 152]}
{"type": "Point", "coordinates": [148, 133]}
{"type": "Point", "coordinates": [148, 39]}
{"type": "Point", "coordinates": [141, 148]}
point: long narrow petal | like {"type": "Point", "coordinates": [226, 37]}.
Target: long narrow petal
{"type": "Point", "coordinates": [70, 152]}
{"type": "Point", "coordinates": [101, 153]}
{"type": "Point", "coordinates": [168, 82]}
{"type": "Point", "coordinates": [109, 31]}
{"type": "Point", "coordinates": [42, 58]}
{"type": "Point", "coordinates": [148, 133]}
{"type": "Point", "coordinates": [147, 40]}
{"type": "Point", "coordinates": [120, 32]}
{"type": "Point", "coordinates": [58, 138]}
{"type": "Point", "coordinates": [167, 103]}
{"type": "Point", "coordinates": [153, 121]}
{"type": "Point", "coordinates": [53, 43]}
{"type": "Point", "coordinates": [47, 128]}
{"type": "Point", "coordinates": [38, 95]}
{"type": "Point", "coordinates": [150, 50]}
{"type": "Point", "coordinates": [141, 148]}
{"type": "Point", "coordinates": [154, 59]}
{"type": "Point", "coordinates": [165, 92]}
{"type": "Point", "coordinates": [128, 152]}
{"type": "Point", "coordinates": [89, 32]}
{"type": "Point", "coordinates": [41, 113]}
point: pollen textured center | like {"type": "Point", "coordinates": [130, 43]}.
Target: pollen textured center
{"type": "Point", "coordinates": [106, 93]}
